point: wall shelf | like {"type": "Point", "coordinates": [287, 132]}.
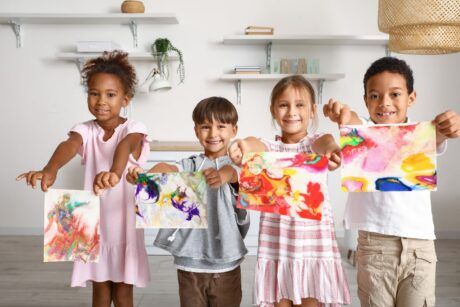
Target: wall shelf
{"type": "Point", "coordinates": [16, 20]}
{"type": "Point", "coordinates": [321, 78]}
{"type": "Point", "coordinates": [311, 40]}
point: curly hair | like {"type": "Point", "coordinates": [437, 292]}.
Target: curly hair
{"type": "Point", "coordinates": [116, 63]}
{"type": "Point", "coordinates": [393, 65]}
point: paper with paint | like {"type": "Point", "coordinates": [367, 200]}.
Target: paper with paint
{"type": "Point", "coordinates": [286, 183]}
{"type": "Point", "coordinates": [71, 226]}
{"type": "Point", "coordinates": [171, 200]}
{"type": "Point", "coordinates": [388, 157]}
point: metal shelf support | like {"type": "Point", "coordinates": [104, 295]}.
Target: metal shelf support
{"type": "Point", "coordinates": [320, 91]}
{"type": "Point", "coordinates": [268, 61]}
{"type": "Point", "coordinates": [133, 27]}
{"type": "Point", "coordinates": [17, 32]}
{"type": "Point", "coordinates": [238, 91]}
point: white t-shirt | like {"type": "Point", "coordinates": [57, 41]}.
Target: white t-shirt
{"type": "Point", "coordinates": [402, 214]}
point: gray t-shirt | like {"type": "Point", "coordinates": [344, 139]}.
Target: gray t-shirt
{"type": "Point", "coordinates": [221, 245]}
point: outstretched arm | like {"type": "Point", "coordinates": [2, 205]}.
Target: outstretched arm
{"type": "Point", "coordinates": [326, 146]}
{"type": "Point", "coordinates": [161, 167]}
{"type": "Point", "coordinates": [240, 147]}
{"type": "Point", "coordinates": [131, 144]}
{"type": "Point", "coordinates": [64, 152]}
{"type": "Point", "coordinates": [340, 113]}
{"type": "Point", "coordinates": [216, 178]}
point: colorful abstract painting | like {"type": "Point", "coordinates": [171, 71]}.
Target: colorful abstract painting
{"type": "Point", "coordinates": [285, 183]}
{"type": "Point", "coordinates": [71, 226]}
{"type": "Point", "coordinates": [171, 200]}
{"type": "Point", "coordinates": [388, 157]}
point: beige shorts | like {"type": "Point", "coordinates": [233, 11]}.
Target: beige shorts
{"type": "Point", "coordinates": [395, 271]}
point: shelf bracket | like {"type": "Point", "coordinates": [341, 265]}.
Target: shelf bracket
{"type": "Point", "coordinates": [18, 32]}
{"type": "Point", "coordinates": [269, 57]}
{"type": "Point", "coordinates": [133, 27]}
{"type": "Point", "coordinates": [80, 64]}
{"type": "Point", "coordinates": [387, 51]}
{"type": "Point", "coordinates": [320, 91]}
{"type": "Point", "coordinates": [238, 91]}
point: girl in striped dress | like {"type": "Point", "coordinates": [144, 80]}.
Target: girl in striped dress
{"type": "Point", "coordinates": [298, 261]}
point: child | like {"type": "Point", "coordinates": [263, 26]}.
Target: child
{"type": "Point", "coordinates": [208, 260]}
{"type": "Point", "coordinates": [298, 262]}
{"type": "Point", "coordinates": [396, 255]}
{"type": "Point", "coordinates": [123, 261]}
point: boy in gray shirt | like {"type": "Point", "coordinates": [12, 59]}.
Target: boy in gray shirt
{"type": "Point", "coordinates": [208, 260]}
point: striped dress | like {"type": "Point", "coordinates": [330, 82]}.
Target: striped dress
{"type": "Point", "coordinates": [298, 258]}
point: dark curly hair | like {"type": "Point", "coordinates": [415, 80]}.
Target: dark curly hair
{"type": "Point", "coordinates": [116, 63]}
{"type": "Point", "coordinates": [393, 65]}
{"type": "Point", "coordinates": [215, 109]}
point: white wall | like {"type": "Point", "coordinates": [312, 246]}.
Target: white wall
{"type": "Point", "coordinates": [42, 99]}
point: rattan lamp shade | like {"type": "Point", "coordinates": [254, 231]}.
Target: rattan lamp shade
{"type": "Point", "coordinates": [421, 26]}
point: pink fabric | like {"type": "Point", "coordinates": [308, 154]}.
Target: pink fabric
{"type": "Point", "coordinates": [123, 257]}
{"type": "Point", "coordinates": [298, 258]}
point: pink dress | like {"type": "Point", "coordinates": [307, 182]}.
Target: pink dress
{"type": "Point", "coordinates": [298, 258]}
{"type": "Point", "coordinates": [123, 257]}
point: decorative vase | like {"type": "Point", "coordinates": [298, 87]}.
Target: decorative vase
{"type": "Point", "coordinates": [132, 6]}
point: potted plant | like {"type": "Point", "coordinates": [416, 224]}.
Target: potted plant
{"type": "Point", "coordinates": [160, 49]}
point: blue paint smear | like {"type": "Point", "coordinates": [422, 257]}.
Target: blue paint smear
{"type": "Point", "coordinates": [391, 184]}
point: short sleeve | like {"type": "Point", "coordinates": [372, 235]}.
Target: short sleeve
{"type": "Point", "coordinates": [186, 165]}
{"type": "Point", "coordinates": [139, 127]}
{"type": "Point", "coordinates": [83, 130]}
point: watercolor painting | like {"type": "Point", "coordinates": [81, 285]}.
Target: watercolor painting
{"type": "Point", "coordinates": [71, 226]}
{"type": "Point", "coordinates": [171, 200]}
{"type": "Point", "coordinates": [286, 183]}
{"type": "Point", "coordinates": [388, 157]}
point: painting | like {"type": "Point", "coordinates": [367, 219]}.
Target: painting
{"type": "Point", "coordinates": [71, 226]}
{"type": "Point", "coordinates": [171, 200]}
{"type": "Point", "coordinates": [285, 183]}
{"type": "Point", "coordinates": [399, 157]}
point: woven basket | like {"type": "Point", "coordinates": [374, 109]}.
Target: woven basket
{"type": "Point", "coordinates": [421, 26]}
{"type": "Point", "coordinates": [132, 6]}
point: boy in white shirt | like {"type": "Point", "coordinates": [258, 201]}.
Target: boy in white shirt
{"type": "Point", "coordinates": [396, 255]}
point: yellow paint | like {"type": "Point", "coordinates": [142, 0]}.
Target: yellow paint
{"type": "Point", "coordinates": [417, 162]}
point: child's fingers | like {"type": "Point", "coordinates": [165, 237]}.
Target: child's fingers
{"type": "Point", "coordinates": [21, 176]}
{"type": "Point", "coordinates": [105, 180]}
{"type": "Point", "coordinates": [113, 179]}
{"type": "Point", "coordinates": [34, 177]}
{"type": "Point", "coordinates": [44, 184]}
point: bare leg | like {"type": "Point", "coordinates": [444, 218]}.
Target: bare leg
{"type": "Point", "coordinates": [122, 294]}
{"type": "Point", "coordinates": [102, 294]}
{"type": "Point", "coordinates": [284, 303]}
{"type": "Point", "coordinates": [309, 302]}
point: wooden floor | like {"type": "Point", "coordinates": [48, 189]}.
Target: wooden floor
{"type": "Point", "coordinates": [26, 281]}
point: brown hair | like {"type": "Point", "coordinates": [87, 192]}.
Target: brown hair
{"type": "Point", "coordinates": [299, 83]}
{"type": "Point", "coordinates": [215, 108]}
{"type": "Point", "coordinates": [116, 63]}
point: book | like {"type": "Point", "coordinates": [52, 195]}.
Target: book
{"type": "Point", "coordinates": [257, 30]}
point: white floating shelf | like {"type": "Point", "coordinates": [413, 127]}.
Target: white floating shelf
{"type": "Point", "coordinates": [17, 20]}
{"type": "Point", "coordinates": [313, 77]}
{"type": "Point", "coordinates": [87, 55]}
{"type": "Point", "coordinates": [109, 18]}
{"type": "Point", "coordinates": [360, 40]}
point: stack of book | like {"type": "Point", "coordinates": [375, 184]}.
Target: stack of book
{"type": "Point", "coordinates": [254, 30]}
{"type": "Point", "coordinates": [248, 69]}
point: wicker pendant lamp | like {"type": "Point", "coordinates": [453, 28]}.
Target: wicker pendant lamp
{"type": "Point", "coordinates": [421, 26]}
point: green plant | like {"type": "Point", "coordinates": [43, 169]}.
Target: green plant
{"type": "Point", "coordinates": [160, 49]}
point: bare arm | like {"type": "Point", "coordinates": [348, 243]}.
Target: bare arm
{"type": "Point", "coordinates": [216, 178]}
{"type": "Point", "coordinates": [131, 144]}
{"type": "Point", "coordinates": [64, 152]}
{"type": "Point", "coordinates": [447, 126]}
{"type": "Point", "coordinates": [240, 147]}
{"type": "Point", "coordinates": [161, 167]}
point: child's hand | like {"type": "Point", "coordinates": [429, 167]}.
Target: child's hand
{"type": "Point", "coordinates": [133, 173]}
{"type": "Point", "coordinates": [213, 177]}
{"type": "Point", "coordinates": [46, 176]}
{"type": "Point", "coordinates": [335, 158]}
{"type": "Point", "coordinates": [105, 180]}
{"type": "Point", "coordinates": [337, 112]}
{"type": "Point", "coordinates": [236, 151]}
{"type": "Point", "coordinates": [447, 126]}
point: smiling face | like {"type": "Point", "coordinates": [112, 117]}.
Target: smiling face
{"type": "Point", "coordinates": [214, 137]}
{"type": "Point", "coordinates": [387, 98]}
{"type": "Point", "coordinates": [293, 111]}
{"type": "Point", "coordinates": [106, 97]}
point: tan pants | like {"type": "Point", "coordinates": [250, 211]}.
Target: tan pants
{"type": "Point", "coordinates": [395, 271]}
{"type": "Point", "coordinates": [210, 289]}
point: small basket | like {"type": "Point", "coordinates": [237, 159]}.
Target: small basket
{"type": "Point", "coordinates": [132, 6]}
{"type": "Point", "coordinates": [421, 26]}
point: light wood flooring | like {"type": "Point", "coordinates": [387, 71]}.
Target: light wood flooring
{"type": "Point", "coordinates": [26, 281]}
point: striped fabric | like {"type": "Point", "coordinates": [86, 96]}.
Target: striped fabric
{"type": "Point", "coordinates": [298, 258]}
